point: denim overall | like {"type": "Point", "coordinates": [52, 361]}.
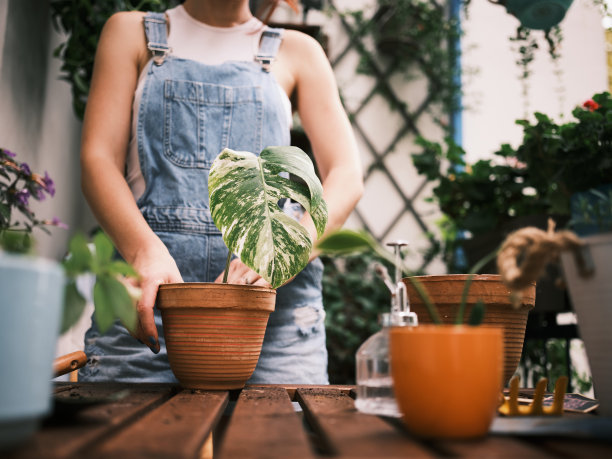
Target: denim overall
{"type": "Point", "coordinates": [188, 113]}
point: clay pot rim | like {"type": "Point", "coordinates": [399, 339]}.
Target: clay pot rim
{"type": "Point", "coordinates": [461, 329]}
{"type": "Point", "coordinates": [459, 277]}
{"type": "Point", "coordinates": [213, 285]}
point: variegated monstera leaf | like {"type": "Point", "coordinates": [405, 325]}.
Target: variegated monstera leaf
{"type": "Point", "coordinates": [244, 193]}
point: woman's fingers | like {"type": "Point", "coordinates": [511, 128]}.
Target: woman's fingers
{"type": "Point", "coordinates": [146, 317]}
{"type": "Point", "coordinates": [239, 273]}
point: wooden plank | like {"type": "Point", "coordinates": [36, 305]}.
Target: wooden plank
{"type": "Point", "coordinates": [493, 447]}
{"type": "Point", "coordinates": [345, 432]}
{"type": "Point", "coordinates": [176, 429]}
{"type": "Point", "coordinates": [575, 447]}
{"type": "Point", "coordinates": [86, 413]}
{"type": "Point", "coordinates": [292, 388]}
{"type": "Point", "coordinates": [264, 425]}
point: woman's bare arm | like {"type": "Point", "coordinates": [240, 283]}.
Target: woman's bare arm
{"type": "Point", "coordinates": [106, 130]}
{"type": "Point", "coordinates": [326, 125]}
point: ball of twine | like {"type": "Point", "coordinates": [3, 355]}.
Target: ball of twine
{"type": "Point", "coordinates": [525, 253]}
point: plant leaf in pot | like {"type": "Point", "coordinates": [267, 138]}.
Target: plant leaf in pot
{"type": "Point", "coordinates": [201, 319]}
{"type": "Point", "coordinates": [244, 193]}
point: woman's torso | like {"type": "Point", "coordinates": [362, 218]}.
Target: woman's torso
{"type": "Point", "coordinates": [195, 41]}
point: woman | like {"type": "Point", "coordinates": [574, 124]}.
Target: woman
{"type": "Point", "coordinates": [168, 92]}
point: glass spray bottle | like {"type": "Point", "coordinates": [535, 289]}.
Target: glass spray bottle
{"type": "Point", "coordinates": [373, 371]}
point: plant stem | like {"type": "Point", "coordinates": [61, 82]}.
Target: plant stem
{"type": "Point", "coordinates": [468, 282]}
{"type": "Point", "coordinates": [431, 309]}
{"type": "Point", "coordinates": [227, 263]}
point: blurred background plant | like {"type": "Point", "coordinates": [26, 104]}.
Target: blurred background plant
{"type": "Point", "coordinates": [18, 186]}
{"type": "Point", "coordinates": [82, 22]}
{"type": "Point", "coordinates": [540, 176]}
{"type": "Point", "coordinates": [113, 297]}
{"type": "Point", "coordinates": [354, 297]}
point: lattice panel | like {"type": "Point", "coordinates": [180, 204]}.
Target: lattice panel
{"type": "Point", "coordinates": [393, 205]}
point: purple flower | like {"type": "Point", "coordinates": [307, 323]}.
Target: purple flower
{"type": "Point", "coordinates": [48, 184]}
{"type": "Point", "coordinates": [25, 169]}
{"type": "Point", "coordinates": [22, 197]}
{"type": "Point", "coordinates": [37, 192]}
{"type": "Point", "coordinates": [57, 222]}
{"type": "Point", "coordinates": [8, 153]}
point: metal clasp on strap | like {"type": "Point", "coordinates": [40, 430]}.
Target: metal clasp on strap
{"type": "Point", "coordinates": [159, 52]}
{"type": "Point", "coordinates": [265, 62]}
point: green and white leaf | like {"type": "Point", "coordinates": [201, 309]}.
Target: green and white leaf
{"type": "Point", "coordinates": [244, 192]}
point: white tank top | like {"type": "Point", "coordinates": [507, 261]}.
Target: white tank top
{"type": "Point", "coordinates": [191, 39]}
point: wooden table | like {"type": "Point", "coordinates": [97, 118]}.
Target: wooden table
{"type": "Point", "coordinates": [162, 421]}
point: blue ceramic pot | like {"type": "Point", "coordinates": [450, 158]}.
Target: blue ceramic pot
{"type": "Point", "coordinates": [31, 302]}
{"type": "Point", "coordinates": [538, 14]}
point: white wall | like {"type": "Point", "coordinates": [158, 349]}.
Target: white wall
{"type": "Point", "coordinates": [36, 118]}
{"type": "Point", "coordinates": [493, 96]}
{"type": "Point", "coordinates": [37, 123]}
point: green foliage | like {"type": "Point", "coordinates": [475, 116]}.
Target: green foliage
{"type": "Point", "coordinates": [82, 22]}
{"type": "Point", "coordinates": [592, 211]}
{"type": "Point", "coordinates": [111, 297]}
{"type": "Point", "coordinates": [553, 162]}
{"type": "Point", "coordinates": [354, 298]}
{"type": "Point", "coordinates": [244, 193]}
{"type": "Point", "coordinates": [549, 359]}
{"type": "Point", "coordinates": [415, 37]}
{"type": "Point", "coordinates": [346, 242]}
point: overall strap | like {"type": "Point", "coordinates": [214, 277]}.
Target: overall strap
{"type": "Point", "coordinates": [155, 31]}
{"type": "Point", "coordinates": [268, 47]}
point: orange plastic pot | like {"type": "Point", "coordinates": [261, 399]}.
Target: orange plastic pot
{"type": "Point", "coordinates": [446, 290]}
{"type": "Point", "coordinates": [447, 379]}
{"type": "Point", "coordinates": [214, 332]}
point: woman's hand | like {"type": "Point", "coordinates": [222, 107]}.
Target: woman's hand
{"type": "Point", "coordinates": [155, 267]}
{"type": "Point", "coordinates": [239, 273]}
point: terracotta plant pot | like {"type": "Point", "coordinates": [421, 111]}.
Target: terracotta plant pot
{"type": "Point", "coordinates": [446, 290]}
{"type": "Point", "coordinates": [447, 378]}
{"type": "Point", "coordinates": [214, 332]}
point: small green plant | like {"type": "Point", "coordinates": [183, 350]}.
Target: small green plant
{"type": "Point", "coordinates": [245, 190]}
{"type": "Point", "coordinates": [344, 242]}
{"type": "Point", "coordinates": [112, 298]}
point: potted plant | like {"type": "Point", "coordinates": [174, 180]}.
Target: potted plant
{"type": "Point", "coordinates": [455, 295]}
{"type": "Point", "coordinates": [537, 14]}
{"type": "Point", "coordinates": [587, 270]}
{"type": "Point", "coordinates": [39, 297]}
{"type": "Point", "coordinates": [590, 288]}
{"type": "Point", "coordinates": [486, 200]}
{"type": "Point", "coordinates": [446, 377]}
{"type": "Point", "coordinates": [244, 191]}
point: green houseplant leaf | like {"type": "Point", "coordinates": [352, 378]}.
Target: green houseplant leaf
{"type": "Point", "coordinates": [244, 193]}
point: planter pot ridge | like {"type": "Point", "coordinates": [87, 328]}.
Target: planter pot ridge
{"type": "Point", "coordinates": [214, 331]}
{"type": "Point", "coordinates": [445, 292]}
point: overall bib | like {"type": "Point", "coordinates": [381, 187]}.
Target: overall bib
{"type": "Point", "coordinates": [188, 113]}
